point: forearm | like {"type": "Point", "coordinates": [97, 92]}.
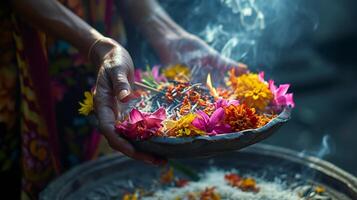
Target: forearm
{"type": "Point", "coordinates": [154, 23]}
{"type": "Point", "coordinates": [53, 18]}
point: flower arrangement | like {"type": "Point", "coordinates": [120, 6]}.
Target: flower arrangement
{"type": "Point", "coordinates": [172, 105]}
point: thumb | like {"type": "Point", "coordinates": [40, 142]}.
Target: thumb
{"type": "Point", "coordinates": [121, 86]}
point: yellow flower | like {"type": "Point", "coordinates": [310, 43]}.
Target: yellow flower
{"type": "Point", "coordinates": [87, 104]}
{"type": "Point", "coordinates": [130, 197]}
{"type": "Point", "coordinates": [249, 89]}
{"type": "Point", "coordinates": [177, 71]}
{"type": "Point", "coordinates": [182, 127]}
{"type": "Point", "coordinates": [319, 189]}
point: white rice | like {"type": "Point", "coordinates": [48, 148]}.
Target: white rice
{"type": "Point", "coordinates": [215, 178]}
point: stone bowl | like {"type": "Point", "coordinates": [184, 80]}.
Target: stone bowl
{"type": "Point", "coordinates": [111, 177]}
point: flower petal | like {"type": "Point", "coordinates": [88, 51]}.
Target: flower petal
{"type": "Point", "coordinates": [216, 117]}
{"type": "Point", "coordinates": [204, 116]}
{"type": "Point", "coordinates": [282, 90]}
{"type": "Point", "coordinates": [153, 123]}
{"type": "Point", "coordinates": [198, 122]}
{"type": "Point", "coordinates": [137, 75]}
{"type": "Point", "coordinates": [272, 86]}
{"type": "Point", "coordinates": [222, 128]}
{"type": "Point", "coordinates": [290, 100]}
{"type": "Point", "coordinates": [155, 72]}
{"type": "Point", "coordinates": [261, 76]}
{"type": "Point", "coordinates": [135, 116]}
{"type": "Point", "coordinates": [159, 114]}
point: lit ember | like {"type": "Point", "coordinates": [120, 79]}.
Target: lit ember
{"type": "Point", "coordinates": [210, 194]}
{"type": "Point", "coordinates": [245, 184]}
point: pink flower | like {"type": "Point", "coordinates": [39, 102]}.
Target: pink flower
{"type": "Point", "coordinates": [211, 125]}
{"type": "Point", "coordinates": [225, 102]}
{"type": "Point", "coordinates": [281, 97]}
{"type": "Point", "coordinates": [155, 73]}
{"type": "Point", "coordinates": [141, 125]}
{"type": "Point", "coordinates": [137, 75]}
{"type": "Point", "coordinates": [261, 77]}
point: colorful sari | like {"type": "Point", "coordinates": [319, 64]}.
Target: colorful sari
{"type": "Point", "coordinates": [41, 82]}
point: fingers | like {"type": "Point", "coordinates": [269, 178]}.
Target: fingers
{"type": "Point", "coordinates": [240, 68]}
{"type": "Point", "coordinates": [226, 64]}
{"type": "Point", "coordinates": [105, 109]}
{"type": "Point", "coordinates": [121, 85]}
{"type": "Point", "coordinates": [119, 67]}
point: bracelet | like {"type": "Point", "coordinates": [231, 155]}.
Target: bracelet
{"type": "Point", "coordinates": [92, 46]}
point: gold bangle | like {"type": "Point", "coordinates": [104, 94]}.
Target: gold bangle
{"type": "Point", "coordinates": [92, 46]}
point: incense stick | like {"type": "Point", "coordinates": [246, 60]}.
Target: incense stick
{"type": "Point", "coordinates": [147, 87]}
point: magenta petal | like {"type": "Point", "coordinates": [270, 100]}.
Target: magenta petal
{"type": "Point", "coordinates": [126, 129]}
{"type": "Point", "coordinates": [282, 90]}
{"type": "Point", "coordinates": [220, 103]}
{"type": "Point", "coordinates": [204, 116]}
{"type": "Point", "coordinates": [290, 100]}
{"type": "Point", "coordinates": [272, 86]}
{"type": "Point", "coordinates": [198, 122]}
{"type": "Point", "coordinates": [159, 114]}
{"type": "Point", "coordinates": [233, 102]}
{"type": "Point", "coordinates": [135, 116]}
{"type": "Point", "coordinates": [216, 117]}
{"type": "Point", "coordinates": [261, 76]}
{"type": "Point", "coordinates": [155, 72]}
{"type": "Point", "coordinates": [224, 102]}
{"type": "Point", "coordinates": [280, 100]}
{"type": "Point", "coordinates": [137, 75]}
{"type": "Point", "coordinates": [153, 123]}
{"type": "Point", "coordinates": [222, 128]}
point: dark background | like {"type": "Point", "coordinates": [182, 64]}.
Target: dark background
{"type": "Point", "coordinates": [310, 44]}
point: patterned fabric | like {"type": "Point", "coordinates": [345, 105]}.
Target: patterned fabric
{"type": "Point", "coordinates": [41, 83]}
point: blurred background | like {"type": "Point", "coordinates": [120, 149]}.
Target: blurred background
{"type": "Point", "coordinates": [310, 44]}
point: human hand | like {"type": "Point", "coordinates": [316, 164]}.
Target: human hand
{"type": "Point", "coordinates": [191, 50]}
{"type": "Point", "coordinates": [113, 89]}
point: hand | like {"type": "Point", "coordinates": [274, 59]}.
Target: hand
{"type": "Point", "coordinates": [113, 87]}
{"type": "Point", "coordinates": [194, 52]}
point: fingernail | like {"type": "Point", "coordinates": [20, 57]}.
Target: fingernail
{"type": "Point", "coordinates": [123, 95]}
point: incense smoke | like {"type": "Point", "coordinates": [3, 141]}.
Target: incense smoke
{"type": "Point", "coordinates": [249, 31]}
{"type": "Point", "coordinates": [324, 149]}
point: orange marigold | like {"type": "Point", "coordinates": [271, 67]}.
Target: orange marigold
{"type": "Point", "coordinates": [241, 117]}
{"type": "Point", "coordinates": [250, 89]}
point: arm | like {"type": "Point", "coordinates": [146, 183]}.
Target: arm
{"type": "Point", "coordinates": [115, 65]}
{"type": "Point", "coordinates": [170, 41]}
{"type": "Point", "coordinates": [55, 19]}
{"type": "Point", "coordinates": [153, 22]}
